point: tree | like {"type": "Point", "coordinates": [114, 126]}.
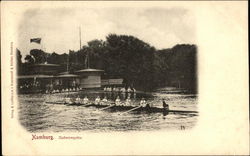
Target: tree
{"type": "Point", "coordinates": [39, 55]}
{"type": "Point", "coordinates": [19, 61]}
{"type": "Point", "coordinates": [131, 59]}
{"type": "Point", "coordinates": [29, 59]}
{"type": "Point", "coordinates": [127, 57]}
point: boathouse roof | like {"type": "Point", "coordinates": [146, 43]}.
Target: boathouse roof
{"type": "Point", "coordinates": [67, 75]}
{"type": "Point", "coordinates": [47, 65]}
{"type": "Point", "coordinates": [34, 76]}
{"type": "Point", "coordinates": [89, 70]}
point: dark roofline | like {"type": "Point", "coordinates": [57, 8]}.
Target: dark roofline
{"type": "Point", "coordinates": [66, 75]}
{"type": "Point", "coordinates": [89, 70]}
{"type": "Point", "coordinates": [33, 76]}
{"type": "Point", "coordinates": [46, 65]}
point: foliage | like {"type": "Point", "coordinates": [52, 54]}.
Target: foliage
{"type": "Point", "coordinates": [127, 57]}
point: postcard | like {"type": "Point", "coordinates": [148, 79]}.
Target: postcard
{"type": "Point", "coordinates": [124, 77]}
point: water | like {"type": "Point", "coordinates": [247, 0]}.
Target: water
{"type": "Point", "coordinates": [37, 116]}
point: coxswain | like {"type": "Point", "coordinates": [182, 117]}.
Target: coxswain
{"type": "Point", "coordinates": [118, 101]}
{"type": "Point", "coordinates": [85, 100]}
{"type": "Point", "coordinates": [78, 100]}
{"type": "Point", "coordinates": [104, 101]}
{"type": "Point", "coordinates": [148, 105]}
{"type": "Point", "coordinates": [165, 106]}
{"type": "Point", "coordinates": [142, 102]}
{"type": "Point", "coordinates": [128, 101]}
{"type": "Point", "coordinates": [97, 100]}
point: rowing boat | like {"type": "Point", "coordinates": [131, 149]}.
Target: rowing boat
{"type": "Point", "coordinates": [141, 109]}
{"type": "Point", "coordinates": [126, 108]}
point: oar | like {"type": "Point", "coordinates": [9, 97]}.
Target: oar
{"type": "Point", "coordinates": [87, 104]}
{"type": "Point", "coordinates": [107, 107]}
{"type": "Point", "coordinates": [131, 110]}
{"type": "Point", "coordinates": [55, 102]}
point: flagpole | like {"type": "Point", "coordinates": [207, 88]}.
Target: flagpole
{"type": "Point", "coordinates": [80, 38]}
{"type": "Point", "coordinates": [68, 63]}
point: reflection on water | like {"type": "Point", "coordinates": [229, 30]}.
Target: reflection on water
{"type": "Point", "coordinates": [37, 116]}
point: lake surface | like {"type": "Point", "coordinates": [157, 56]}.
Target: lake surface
{"type": "Point", "coordinates": [36, 115]}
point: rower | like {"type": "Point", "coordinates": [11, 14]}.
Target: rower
{"type": "Point", "coordinates": [104, 101]}
{"type": "Point", "coordinates": [68, 100]}
{"type": "Point", "coordinates": [118, 89]}
{"type": "Point", "coordinates": [85, 100]}
{"type": "Point", "coordinates": [165, 106]}
{"type": "Point", "coordinates": [128, 101]}
{"type": "Point", "coordinates": [78, 100]}
{"type": "Point", "coordinates": [117, 101]}
{"type": "Point", "coordinates": [97, 100]}
{"type": "Point", "coordinates": [129, 90]}
{"type": "Point", "coordinates": [123, 90]}
{"type": "Point", "coordinates": [142, 102]}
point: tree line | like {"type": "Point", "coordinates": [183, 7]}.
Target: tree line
{"type": "Point", "coordinates": [123, 56]}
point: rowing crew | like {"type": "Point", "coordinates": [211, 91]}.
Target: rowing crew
{"type": "Point", "coordinates": [63, 90]}
{"type": "Point", "coordinates": [85, 100]}
{"type": "Point", "coordinates": [110, 89]}
{"type": "Point", "coordinates": [128, 102]}
{"type": "Point", "coordinates": [118, 102]}
{"type": "Point", "coordinates": [105, 101]}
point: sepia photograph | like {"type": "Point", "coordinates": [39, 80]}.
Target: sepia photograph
{"type": "Point", "coordinates": [125, 70]}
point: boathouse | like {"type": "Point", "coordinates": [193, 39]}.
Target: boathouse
{"type": "Point", "coordinates": [90, 78]}
{"type": "Point", "coordinates": [67, 80]}
{"type": "Point", "coordinates": [38, 78]}
{"type": "Point", "coordinates": [48, 77]}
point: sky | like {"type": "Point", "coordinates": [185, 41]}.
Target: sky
{"type": "Point", "coordinates": [59, 27]}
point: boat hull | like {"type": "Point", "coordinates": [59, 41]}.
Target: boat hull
{"type": "Point", "coordinates": [126, 108]}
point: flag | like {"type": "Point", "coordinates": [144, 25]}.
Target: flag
{"type": "Point", "coordinates": [36, 40]}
